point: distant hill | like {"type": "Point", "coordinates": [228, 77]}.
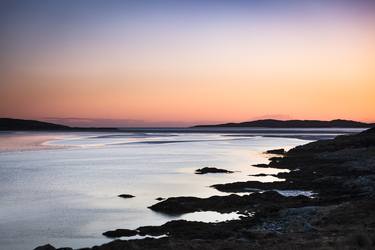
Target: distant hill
{"type": "Point", "coordinates": [33, 125]}
{"type": "Point", "coordinates": [271, 123]}
{"type": "Point", "coordinates": [19, 124]}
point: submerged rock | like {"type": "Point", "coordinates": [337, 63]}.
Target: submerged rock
{"type": "Point", "coordinates": [120, 233]}
{"type": "Point", "coordinates": [126, 196]}
{"type": "Point", "coordinates": [207, 170]}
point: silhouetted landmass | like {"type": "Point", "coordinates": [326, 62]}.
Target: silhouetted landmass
{"type": "Point", "coordinates": [271, 123]}
{"type": "Point", "coordinates": [18, 124]}
{"type": "Point", "coordinates": [10, 124]}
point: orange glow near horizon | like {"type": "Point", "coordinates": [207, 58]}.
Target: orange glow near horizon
{"type": "Point", "coordinates": [216, 72]}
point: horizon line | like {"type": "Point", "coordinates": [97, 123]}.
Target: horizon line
{"type": "Point", "coordinates": [76, 122]}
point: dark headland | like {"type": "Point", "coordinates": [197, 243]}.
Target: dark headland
{"type": "Point", "coordinates": [271, 123]}
{"type": "Point", "coordinates": [340, 173]}
{"type": "Point", "coordinates": [19, 124]}
{"type": "Point", "coordinates": [11, 124]}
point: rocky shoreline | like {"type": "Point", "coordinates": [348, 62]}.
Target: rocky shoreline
{"type": "Point", "coordinates": [340, 215]}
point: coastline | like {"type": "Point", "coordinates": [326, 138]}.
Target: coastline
{"type": "Point", "coordinates": [340, 171]}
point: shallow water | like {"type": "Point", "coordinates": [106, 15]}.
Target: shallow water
{"type": "Point", "coordinates": [67, 195]}
{"type": "Point", "coordinates": [295, 192]}
{"type": "Point", "coordinates": [210, 216]}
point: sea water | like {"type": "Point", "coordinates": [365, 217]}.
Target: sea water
{"type": "Point", "coordinates": [66, 192]}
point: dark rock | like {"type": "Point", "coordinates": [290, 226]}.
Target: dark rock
{"type": "Point", "coordinates": [370, 131]}
{"type": "Point", "coordinates": [361, 140]}
{"type": "Point", "coordinates": [126, 196]}
{"type": "Point", "coordinates": [120, 233]}
{"type": "Point", "coordinates": [160, 199]}
{"type": "Point", "coordinates": [337, 169]}
{"type": "Point", "coordinates": [230, 203]}
{"type": "Point", "coordinates": [261, 165]}
{"type": "Point", "coordinates": [275, 159]}
{"type": "Point", "coordinates": [291, 220]}
{"type": "Point", "coordinates": [45, 247]}
{"type": "Point", "coordinates": [167, 243]}
{"type": "Point", "coordinates": [280, 151]}
{"type": "Point", "coordinates": [250, 186]}
{"type": "Point", "coordinates": [258, 175]}
{"type": "Point", "coordinates": [207, 170]}
{"type": "Point", "coordinates": [189, 230]}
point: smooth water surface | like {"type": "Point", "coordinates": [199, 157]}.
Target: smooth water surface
{"type": "Point", "coordinates": [65, 193]}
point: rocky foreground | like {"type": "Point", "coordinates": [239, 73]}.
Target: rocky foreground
{"type": "Point", "coordinates": [340, 173]}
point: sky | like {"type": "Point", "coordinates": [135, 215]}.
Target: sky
{"type": "Point", "coordinates": [179, 63]}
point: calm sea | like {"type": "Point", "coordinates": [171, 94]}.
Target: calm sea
{"type": "Point", "coordinates": [65, 192]}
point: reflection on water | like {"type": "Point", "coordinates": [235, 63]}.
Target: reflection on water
{"type": "Point", "coordinates": [21, 141]}
{"type": "Point", "coordinates": [210, 216]}
{"type": "Point", "coordinates": [295, 193]}
{"type": "Point", "coordinates": [138, 237]}
{"type": "Point", "coordinates": [68, 196]}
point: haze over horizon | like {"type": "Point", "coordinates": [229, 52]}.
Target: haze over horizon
{"type": "Point", "coordinates": [106, 122]}
{"type": "Point", "coordinates": [177, 63]}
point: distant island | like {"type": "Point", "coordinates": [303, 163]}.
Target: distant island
{"type": "Point", "coordinates": [272, 123]}
{"type": "Point", "coordinates": [10, 124]}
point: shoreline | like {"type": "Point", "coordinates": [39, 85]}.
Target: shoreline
{"type": "Point", "coordinates": [340, 171]}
